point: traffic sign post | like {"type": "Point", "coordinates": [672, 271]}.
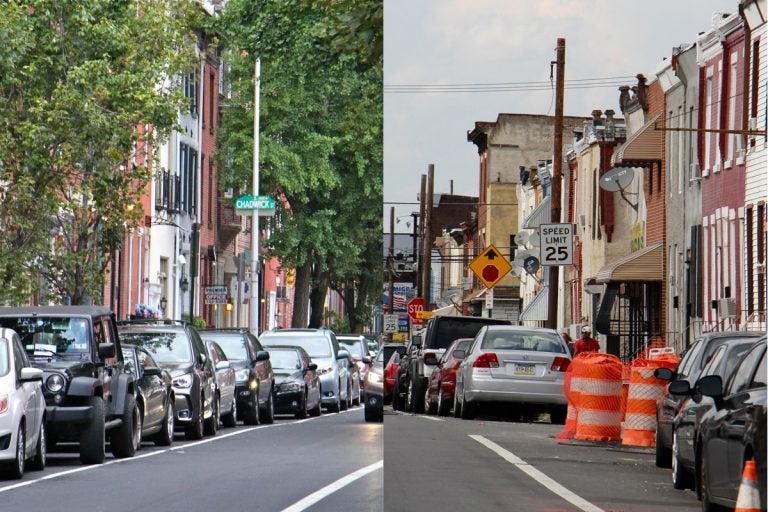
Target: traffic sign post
{"type": "Point", "coordinates": [415, 305]}
{"type": "Point", "coordinates": [390, 324]}
{"type": "Point", "coordinates": [557, 244]}
{"type": "Point", "coordinates": [490, 266]}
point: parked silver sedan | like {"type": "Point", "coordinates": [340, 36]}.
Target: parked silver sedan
{"type": "Point", "coordinates": [524, 366]}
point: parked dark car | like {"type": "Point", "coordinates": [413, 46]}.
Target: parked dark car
{"type": "Point", "coordinates": [374, 386]}
{"type": "Point", "coordinates": [688, 369]}
{"type": "Point", "coordinates": [442, 381]}
{"type": "Point", "coordinates": [154, 395]}
{"type": "Point", "coordinates": [685, 427]}
{"type": "Point", "coordinates": [224, 404]}
{"type": "Point", "coordinates": [254, 378]}
{"type": "Point", "coordinates": [88, 394]}
{"type": "Point", "coordinates": [297, 383]}
{"type": "Point", "coordinates": [733, 431]}
{"type": "Point", "coordinates": [178, 348]}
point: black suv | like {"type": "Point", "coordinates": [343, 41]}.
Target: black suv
{"type": "Point", "coordinates": [177, 347]}
{"type": "Point", "coordinates": [88, 393]}
{"type": "Point", "coordinates": [254, 378]}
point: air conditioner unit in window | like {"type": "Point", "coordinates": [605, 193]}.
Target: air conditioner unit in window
{"type": "Point", "coordinates": [695, 173]}
{"type": "Point", "coordinates": [726, 308]}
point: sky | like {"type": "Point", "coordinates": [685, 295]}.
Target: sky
{"type": "Point", "coordinates": [451, 42]}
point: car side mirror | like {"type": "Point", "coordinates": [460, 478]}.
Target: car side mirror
{"type": "Point", "coordinates": [343, 354]}
{"type": "Point", "coordinates": [663, 373]}
{"type": "Point", "coordinates": [202, 358]}
{"type": "Point", "coordinates": [711, 385]}
{"type": "Point", "coordinates": [222, 365]}
{"type": "Point", "coordinates": [153, 371]}
{"type": "Point", "coordinates": [430, 358]}
{"type": "Point", "coordinates": [30, 374]}
{"type": "Point", "coordinates": [106, 350]}
{"type": "Point", "coordinates": [312, 367]}
{"type": "Point", "coordinates": [367, 360]}
{"type": "Point", "coordinates": [262, 355]}
{"type": "Point", "coordinates": [680, 387]}
{"type": "Point", "coordinates": [416, 340]}
{"type": "Point", "coordinates": [459, 354]}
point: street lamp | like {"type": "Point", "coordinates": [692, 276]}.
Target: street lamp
{"type": "Point", "coordinates": [184, 284]}
{"type": "Point", "coordinates": [163, 304]}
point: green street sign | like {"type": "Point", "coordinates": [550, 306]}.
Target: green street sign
{"type": "Point", "coordinates": [255, 203]}
{"type": "Point", "coordinates": [245, 205]}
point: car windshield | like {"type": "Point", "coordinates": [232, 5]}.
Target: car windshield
{"type": "Point", "coordinates": [352, 346]}
{"type": "Point", "coordinates": [284, 359]}
{"type": "Point", "coordinates": [165, 347]}
{"type": "Point", "coordinates": [316, 346]}
{"type": "Point", "coordinates": [51, 336]}
{"type": "Point", "coordinates": [5, 363]}
{"type": "Point", "coordinates": [233, 345]}
{"type": "Point", "coordinates": [522, 340]}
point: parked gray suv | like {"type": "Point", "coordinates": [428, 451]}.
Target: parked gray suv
{"type": "Point", "coordinates": [323, 348]}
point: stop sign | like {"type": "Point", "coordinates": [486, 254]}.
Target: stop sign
{"type": "Point", "coordinates": [414, 306]}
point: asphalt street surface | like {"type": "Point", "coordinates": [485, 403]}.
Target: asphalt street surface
{"type": "Point", "coordinates": [329, 463]}
{"type": "Point", "coordinates": [449, 464]}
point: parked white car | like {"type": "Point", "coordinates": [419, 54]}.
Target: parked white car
{"type": "Point", "coordinates": [22, 408]}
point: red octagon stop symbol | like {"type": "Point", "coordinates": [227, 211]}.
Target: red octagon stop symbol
{"type": "Point", "coordinates": [414, 306]}
{"type": "Point", "coordinates": [490, 273]}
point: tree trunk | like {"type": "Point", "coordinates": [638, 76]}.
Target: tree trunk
{"type": "Point", "coordinates": [317, 298]}
{"type": "Point", "coordinates": [301, 295]}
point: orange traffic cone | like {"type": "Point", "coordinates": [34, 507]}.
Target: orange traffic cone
{"type": "Point", "coordinates": [748, 499]}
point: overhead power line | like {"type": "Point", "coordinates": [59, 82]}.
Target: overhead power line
{"type": "Point", "coordinates": [583, 83]}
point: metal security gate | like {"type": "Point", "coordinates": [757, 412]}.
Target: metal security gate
{"type": "Point", "coordinates": [630, 317]}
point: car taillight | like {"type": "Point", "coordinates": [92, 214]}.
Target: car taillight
{"type": "Point", "coordinates": [3, 403]}
{"type": "Point", "coordinates": [560, 364]}
{"type": "Point", "coordinates": [486, 360]}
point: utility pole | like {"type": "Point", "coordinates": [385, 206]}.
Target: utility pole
{"type": "Point", "coordinates": [255, 303]}
{"type": "Point", "coordinates": [557, 176]}
{"type": "Point", "coordinates": [427, 271]}
{"type": "Point", "coordinates": [420, 268]}
{"type": "Point", "coordinates": [391, 260]}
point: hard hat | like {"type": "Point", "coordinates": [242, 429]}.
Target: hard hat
{"type": "Point", "coordinates": [586, 328]}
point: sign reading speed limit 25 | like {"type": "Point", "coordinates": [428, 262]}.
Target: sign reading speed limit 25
{"type": "Point", "coordinates": [390, 324]}
{"type": "Point", "coordinates": [557, 244]}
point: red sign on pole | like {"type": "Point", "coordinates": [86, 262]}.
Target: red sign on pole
{"type": "Point", "coordinates": [414, 306]}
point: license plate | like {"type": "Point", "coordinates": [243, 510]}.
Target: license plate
{"type": "Point", "coordinates": [525, 369]}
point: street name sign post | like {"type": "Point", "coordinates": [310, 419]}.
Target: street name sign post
{"type": "Point", "coordinates": [245, 205]}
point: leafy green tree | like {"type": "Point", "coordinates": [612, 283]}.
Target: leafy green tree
{"type": "Point", "coordinates": [78, 78]}
{"type": "Point", "coordinates": [321, 138]}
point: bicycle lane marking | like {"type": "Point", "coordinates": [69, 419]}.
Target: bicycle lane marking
{"type": "Point", "coordinates": [537, 475]}
{"type": "Point", "coordinates": [329, 489]}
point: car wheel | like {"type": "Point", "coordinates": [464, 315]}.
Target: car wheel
{"type": "Point", "coordinates": [558, 414]}
{"type": "Point", "coordinates": [92, 437]}
{"type": "Point", "coordinates": [663, 453]}
{"type": "Point", "coordinates": [429, 407]}
{"type": "Point", "coordinates": [302, 412]}
{"type": "Point", "coordinates": [356, 402]}
{"type": "Point", "coordinates": [230, 419]}
{"type": "Point", "coordinates": [194, 431]}
{"type": "Point", "coordinates": [268, 413]}
{"type": "Point", "coordinates": [456, 405]}
{"type": "Point", "coordinates": [681, 478]}
{"type": "Point", "coordinates": [251, 414]}
{"type": "Point", "coordinates": [165, 436]}
{"type": "Point", "coordinates": [443, 405]}
{"type": "Point", "coordinates": [317, 410]}
{"type": "Point", "coordinates": [212, 423]}
{"type": "Point", "coordinates": [41, 450]}
{"type": "Point", "coordinates": [123, 438]}
{"type": "Point", "coordinates": [372, 416]}
{"type": "Point", "coordinates": [706, 498]}
{"type": "Point", "coordinates": [467, 409]}
{"type": "Point", "coordinates": [15, 468]}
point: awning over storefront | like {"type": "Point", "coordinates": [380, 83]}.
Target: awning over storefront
{"type": "Point", "coordinates": [642, 146]}
{"type": "Point", "coordinates": [540, 215]}
{"type": "Point", "coordinates": [538, 309]}
{"type": "Point", "coordinates": [643, 265]}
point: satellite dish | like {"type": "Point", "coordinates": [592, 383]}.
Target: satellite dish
{"type": "Point", "coordinates": [520, 258]}
{"type": "Point", "coordinates": [617, 179]}
{"type": "Point", "coordinates": [534, 240]}
{"type": "Point", "coordinates": [521, 238]}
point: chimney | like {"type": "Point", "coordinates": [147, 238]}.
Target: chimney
{"type": "Point", "coordinates": [610, 131]}
{"type": "Point", "coordinates": [623, 98]}
{"type": "Point", "coordinates": [642, 92]}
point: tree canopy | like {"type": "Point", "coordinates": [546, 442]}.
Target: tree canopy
{"type": "Point", "coordinates": [321, 138]}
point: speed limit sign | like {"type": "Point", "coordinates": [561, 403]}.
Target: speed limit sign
{"type": "Point", "coordinates": [390, 324]}
{"type": "Point", "coordinates": [557, 244]}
